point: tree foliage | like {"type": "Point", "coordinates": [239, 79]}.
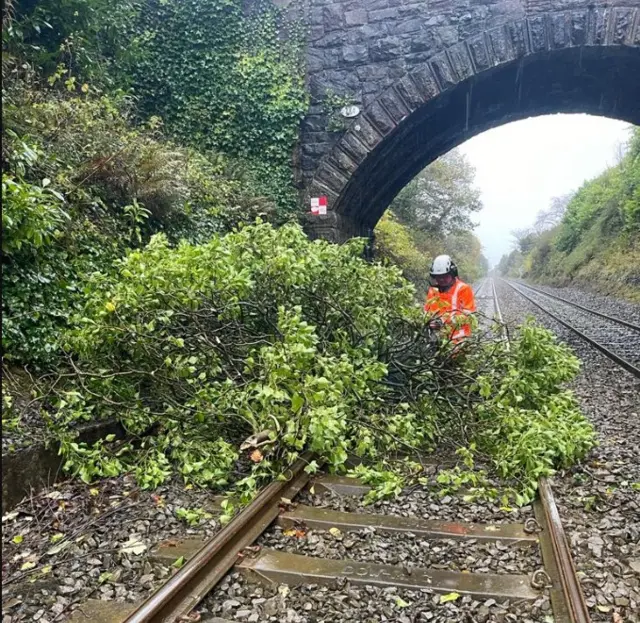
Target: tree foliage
{"type": "Point", "coordinates": [431, 216]}
{"type": "Point", "coordinates": [80, 185]}
{"type": "Point", "coordinates": [441, 199]}
{"type": "Point", "coordinates": [90, 171]}
{"type": "Point", "coordinates": [261, 334]}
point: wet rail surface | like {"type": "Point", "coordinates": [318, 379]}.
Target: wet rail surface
{"type": "Point", "coordinates": [232, 549]}
{"type": "Point", "coordinates": [615, 337]}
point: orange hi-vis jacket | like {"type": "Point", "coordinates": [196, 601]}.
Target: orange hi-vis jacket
{"type": "Point", "coordinates": [456, 301]}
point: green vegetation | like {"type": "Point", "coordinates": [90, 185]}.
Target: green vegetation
{"type": "Point", "coordinates": [263, 334]}
{"type": "Point", "coordinates": [431, 216]}
{"type": "Point", "coordinates": [90, 171]}
{"type": "Point", "coordinates": [595, 241]}
{"type": "Point", "coordinates": [151, 276]}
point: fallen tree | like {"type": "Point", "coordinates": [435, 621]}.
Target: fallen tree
{"type": "Point", "coordinates": [239, 354]}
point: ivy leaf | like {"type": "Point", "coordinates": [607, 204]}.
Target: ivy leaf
{"type": "Point", "coordinates": [17, 539]}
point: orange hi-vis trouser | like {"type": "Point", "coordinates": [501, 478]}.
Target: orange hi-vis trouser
{"type": "Point", "coordinates": [448, 306]}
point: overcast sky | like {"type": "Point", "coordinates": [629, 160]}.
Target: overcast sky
{"type": "Point", "coordinates": [520, 166]}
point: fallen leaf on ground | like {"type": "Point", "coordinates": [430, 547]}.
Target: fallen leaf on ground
{"type": "Point", "coordinates": [133, 546]}
{"type": "Point", "coordinates": [58, 548]}
{"type": "Point", "coordinates": [449, 597]}
{"type": "Point", "coordinates": [300, 534]}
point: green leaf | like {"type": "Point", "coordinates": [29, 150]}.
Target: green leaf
{"type": "Point", "coordinates": [449, 597]}
{"type": "Point", "coordinates": [178, 563]}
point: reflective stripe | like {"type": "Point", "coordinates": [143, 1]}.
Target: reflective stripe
{"type": "Point", "coordinates": [454, 298]}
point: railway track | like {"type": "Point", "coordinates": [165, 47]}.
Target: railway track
{"type": "Point", "coordinates": [233, 549]}
{"type": "Point", "coordinates": [615, 337]}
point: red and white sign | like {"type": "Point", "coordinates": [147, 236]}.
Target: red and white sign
{"type": "Point", "coordinates": [318, 205]}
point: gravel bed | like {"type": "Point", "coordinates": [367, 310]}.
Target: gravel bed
{"type": "Point", "coordinates": [619, 339]}
{"type": "Point", "coordinates": [468, 555]}
{"type": "Point", "coordinates": [599, 500]}
{"type": "Point", "coordinates": [22, 424]}
{"type": "Point", "coordinates": [76, 541]}
{"type": "Point", "coordinates": [237, 599]}
{"type": "Point", "coordinates": [425, 502]}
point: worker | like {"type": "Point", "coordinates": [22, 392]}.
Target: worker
{"type": "Point", "coordinates": [449, 299]}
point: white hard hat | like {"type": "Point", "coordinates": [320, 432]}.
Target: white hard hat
{"type": "Point", "coordinates": [442, 265]}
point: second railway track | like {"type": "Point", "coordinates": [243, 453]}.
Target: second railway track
{"type": "Point", "coordinates": [615, 337]}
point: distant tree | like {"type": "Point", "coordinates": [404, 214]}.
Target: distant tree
{"type": "Point", "coordinates": [441, 199]}
{"type": "Point", "coordinates": [553, 215]}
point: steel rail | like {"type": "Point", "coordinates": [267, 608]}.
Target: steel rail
{"type": "Point", "coordinates": [177, 597]}
{"type": "Point", "coordinates": [498, 314]}
{"type": "Point", "coordinates": [628, 366]}
{"type": "Point", "coordinates": [626, 323]}
{"type": "Point", "coordinates": [567, 598]}
{"type": "Point", "coordinates": [574, 604]}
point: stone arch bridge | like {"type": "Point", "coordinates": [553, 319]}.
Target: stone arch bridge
{"type": "Point", "coordinates": [427, 75]}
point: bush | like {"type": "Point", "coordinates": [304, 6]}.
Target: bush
{"type": "Point", "coordinates": [596, 243]}
{"type": "Point", "coordinates": [413, 251]}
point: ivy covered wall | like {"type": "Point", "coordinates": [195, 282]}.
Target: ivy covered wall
{"type": "Point", "coordinates": [229, 76]}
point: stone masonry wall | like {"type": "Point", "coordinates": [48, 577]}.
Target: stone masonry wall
{"type": "Point", "coordinates": [392, 57]}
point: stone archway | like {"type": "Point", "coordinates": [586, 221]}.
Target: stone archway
{"type": "Point", "coordinates": [566, 61]}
